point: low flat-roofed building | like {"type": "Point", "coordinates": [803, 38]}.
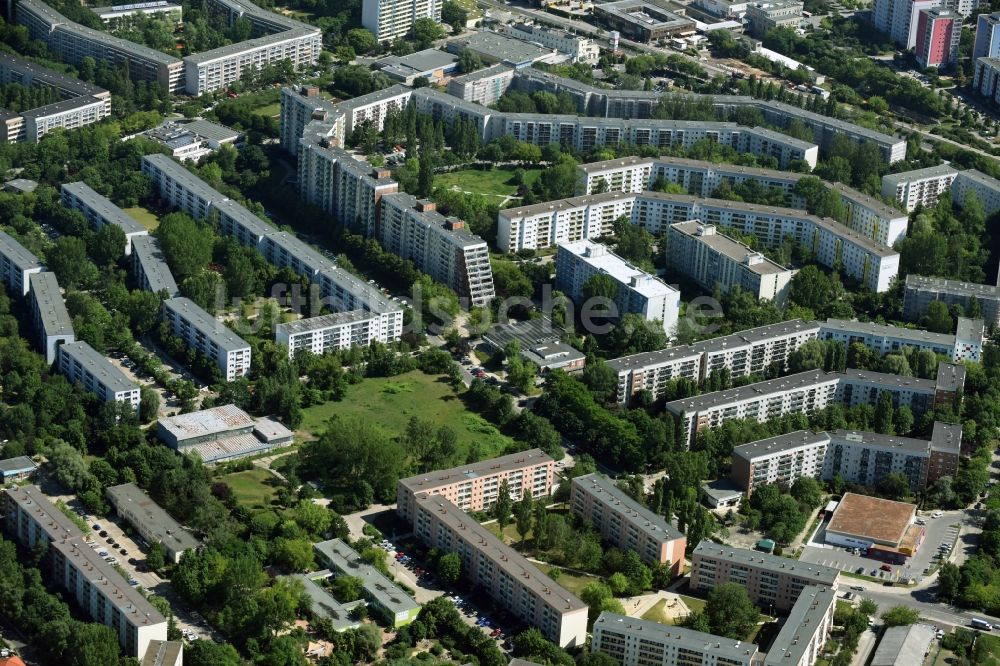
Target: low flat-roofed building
{"type": "Point", "coordinates": [99, 210]}
{"type": "Point", "coordinates": [496, 48]}
{"type": "Point", "coordinates": [863, 521]}
{"type": "Point", "coordinates": [626, 524]}
{"type": "Point", "coordinates": [20, 185]}
{"type": "Point", "coordinates": [771, 581]}
{"type": "Point", "coordinates": [643, 21]}
{"type": "Point", "coordinates": [722, 494]}
{"type": "Point", "coordinates": [221, 433]}
{"type": "Point", "coordinates": [16, 469]}
{"type": "Point", "coordinates": [541, 343]}
{"type": "Point", "coordinates": [804, 632]}
{"type": "Point", "coordinates": [630, 641]}
{"type": "Point", "coordinates": [475, 486]}
{"type": "Point", "coordinates": [151, 521]}
{"type": "Point", "coordinates": [51, 319]}
{"type": "Point", "coordinates": [431, 64]}
{"type": "Point", "coordinates": [384, 597]}
{"type": "Point", "coordinates": [156, 8]}
{"type": "Point", "coordinates": [192, 140]}
{"type": "Point", "coordinates": [164, 653]}
{"type": "Point", "coordinates": [323, 604]}
{"type": "Point", "coordinates": [904, 646]}
{"type": "Point", "coordinates": [81, 364]}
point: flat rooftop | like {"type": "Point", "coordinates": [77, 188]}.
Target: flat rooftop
{"type": "Point", "coordinates": [920, 174]}
{"type": "Point", "coordinates": [915, 384]}
{"type": "Point", "coordinates": [55, 523]}
{"type": "Point", "coordinates": [646, 14]}
{"type": "Point", "coordinates": [492, 70]}
{"type": "Point", "coordinates": [303, 252]}
{"type": "Point", "coordinates": [146, 250]}
{"type": "Point", "coordinates": [215, 421]}
{"type": "Point", "coordinates": [916, 335]}
{"type": "Point", "coordinates": [162, 653]}
{"type": "Point", "coordinates": [904, 646]}
{"type": "Point", "coordinates": [206, 324]}
{"type": "Point", "coordinates": [249, 45]}
{"type": "Point", "coordinates": [103, 208]}
{"type": "Point", "coordinates": [804, 619]}
{"type": "Point", "coordinates": [880, 520]}
{"type": "Point", "coordinates": [759, 390]}
{"type": "Point", "coordinates": [600, 257]}
{"type": "Point", "coordinates": [970, 329]}
{"type": "Point", "coordinates": [385, 592]}
{"type": "Point", "coordinates": [780, 444]}
{"type": "Point", "coordinates": [954, 287]}
{"type": "Point", "coordinates": [49, 77]}
{"type": "Point", "coordinates": [323, 603]}
{"type": "Point", "coordinates": [99, 366]}
{"type": "Point", "coordinates": [153, 517]}
{"type": "Point", "coordinates": [681, 637]}
{"type": "Point", "coordinates": [505, 49]}
{"type": "Point", "coordinates": [729, 247]}
{"type": "Point", "coordinates": [51, 307]}
{"type": "Point", "coordinates": [980, 178]}
{"type": "Point", "coordinates": [816, 573]}
{"type": "Point", "coordinates": [541, 341]}
{"type": "Point", "coordinates": [17, 254]}
{"type": "Point", "coordinates": [604, 490]}
{"type": "Point", "coordinates": [325, 321]}
{"type": "Point", "coordinates": [508, 463]}
{"type": "Point", "coordinates": [946, 437]}
{"type": "Point", "coordinates": [16, 465]}
{"type": "Point", "coordinates": [619, 163]}
{"type": "Point", "coordinates": [876, 440]}
{"type": "Point", "coordinates": [417, 64]}
{"type": "Point", "coordinates": [433, 220]}
{"type": "Point", "coordinates": [177, 172]}
{"type": "Point", "coordinates": [398, 90]}
{"type": "Point", "coordinates": [242, 217]}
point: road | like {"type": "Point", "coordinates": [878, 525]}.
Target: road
{"type": "Point", "coordinates": [940, 139]}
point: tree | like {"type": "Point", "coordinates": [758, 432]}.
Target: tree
{"type": "Point", "coordinates": [503, 506]}
{"type": "Point", "coordinates": [186, 244]}
{"type": "Point", "coordinates": [68, 260]}
{"type": "Point", "coordinates": [900, 616]}
{"type": "Point", "coordinates": [347, 588]}
{"type": "Point", "coordinates": [599, 598]}
{"type": "Point", "coordinates": [884, 414]}
{"type": "Point", "coordinates": [468, 61]}
{"type": "Point", "coordinates": [949, 582]}
{"type": "Point", "coordinates": [867, 607]}
{"type": "Point", "coordinates": [807, 491]}
{"type": "Point", "coordinates": [453, 14]}
{"type": "Point", "coordinates": [810, 288]}
{"type": "Point", "coordinates": [730, 612]}
{"type": "Point", "coordinates": [107, 245]}
{"type": "Point", "coordinates": [93, 645]}
{"type": "Point", "coordinates": [523, 513]}
{"type": "Point", "coordinates": [810, 356]}
{"type": "Point", "coordinates": [313, 518]}
{"type": "Point", "coordinates": [209, 653]}
{"type": "Point", "coordinates": [895, 485]}
{"type": "Point", "coordinates": [426, 31]}
{"type": "Point", "coordinates": [293, 554]}
{"type": "Point", "coordinates": [361, 40]}
{"type": "Point", "coordinates": [938, 319]}
{"type": "Point", "coordinates": [149, 404]}
{"type": "Point", "coordinates": [449, 568]}
{"type": "Point", "coordinates": [156, 558]}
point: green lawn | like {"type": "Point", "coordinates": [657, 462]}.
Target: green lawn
{"type": "Point", "coordinates": [657, 613]}
{"type": "Point", "coordinates": [144, 217]}
{"type": "Point", "coordinates": [251, 487]}
{"type": "Point", "coordinates": [572, 582]}
{"type": "Point", "coordinates": [993, 644]}
{"type": "Point", "coordinates": [270, 110]}
{"type": "Point", "coordinates": [496, 182]}
{"type": "Point", "coordinates": [694, 604]}
{"type": "Point", "coordinates": [391, 401]}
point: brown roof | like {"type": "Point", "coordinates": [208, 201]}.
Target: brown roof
{"type": "Point", "coordinates": [880, 520]}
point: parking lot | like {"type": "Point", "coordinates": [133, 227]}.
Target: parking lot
{"type": "Point", "coordinates": [938, 532]}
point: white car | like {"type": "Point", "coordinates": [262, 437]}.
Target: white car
{"type": "Point", "coordinates": [936, 514]}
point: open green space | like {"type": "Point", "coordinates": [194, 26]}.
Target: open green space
{"type": "Point", "coordinates": [658, 613]}
{"type": "Point", "coordinates": [391, 401]}
{"type": "Point", "coordinates": [571, 581]}
{"type": "Point", "coordinates": [992, 643]}
{"type": "Point", "coordinates": [694, 604]}
{"type": "Point", "coordinates": [269, 110]}
{"type": "Point", "coordinates": [494, 183]}
{"type": "Point", "coordinates": [251, 487]}
{"type": "Point", "coordinates": [144, 216]}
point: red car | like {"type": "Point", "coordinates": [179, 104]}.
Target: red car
{"type": "Point", "coordinates": [885, 567]}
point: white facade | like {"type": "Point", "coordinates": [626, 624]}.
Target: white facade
{"type": "Point", "coordinates": [987, 43]}
{"type": "Point", "coordinates": [483, 87]}
{"type": "Point", "coordinates": [49, 314]}
{"type": "Point", "coordinates": [16, 265]}
{"type": "Point", "coordinates": [99, 211]}
{"type": "Point", "coordinates": [633, 642]}
{"type": "Point", "coordinates": [208, 335]}
{"type": "Point", "coordinates": [985, 187]}
{"type": "Point", "coordinates": [390, 20]}
{"type": "Point", "coordinates": [325, 333]}
{"type": "Point", "coordinates": [578, 48]}
{"type": "Point", "coordinates": [374, 107]}
{"type": "Point", "coordinates": [898, 18]}
{"type": "Point", "coordinates": [638, 291]}
{"type": "Point", "coordinates": [82, 365]}
{"type": "Point", "coordinates": [919, 187]}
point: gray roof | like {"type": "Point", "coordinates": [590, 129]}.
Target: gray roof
{"type": "Point", "coordinates": [56, 524]}
{"type": "Point", "coordinates": [541, 341]}
{"type": "Point", "coordinates": [631, 161]}
{"type": "Point", "coordinates": [154, 518]}
{"type": "Point", "coordinates": [510, 462]}
{"type": "Point", "coordinates": [645, 14]}
{"type": "Point", "coordinates": [51, 307]}
{"type": "Point", "coordinates": [781, 137]}
{"type": "Point", "coordinates": [803, 621]}
{"type": "Point", "coordinates": [970, 329]}
{"type": "Point", "coordinates": [21, 185]}
{"type": "Point", "coordinates": [681, 637]}
{"type": "Point", "coordinates": [903, 646]}
{"type": "Point", "coordinates": [250, 45]}
{"type": "Point", "coordinates": [492, 70]}
{"type": "Point", "coordinates": [721, 489]}
{"type": "Point", "coordinates": [324, 321]}
{"type": "Point", "coordinates": [913, 336]}
{"type": "Point", "coordinates": [370, 298]}
{"type": "Point", "coordinates": [946, 437]}
{"type": "Point", "coordinates": [780, 444]}
{"type": "Point", "coordinates": [750, 391]}
{"type": "Point", "coordinates": [303, 252]}
{"type": "Point", "coordinates": [16, 253]}
{"type": "Point", "coordinates": [752, 336]}
{"type": "Point", "coordinates": [729, 247]}
{"type": "Point", "coordinates": [918, 174]}
{"type": "Point", "coordinates": [161, 5]}
{"type": "Point", "coordinates": [377, 96]}
{"type": "Point", "coordinates": [146, 250]}
{"type": "Point", "coordinates": [604, 490]}
{"type": "Point", "coordinates": [177, 172]}
{"type": "Point", "coordinates": [324, 604]}
{"type": "Point", "coordinates": [383, 591]}
{"type": "Point", "coordinates": [954, 287]}
{"type": "Point", "coordinates": [417, 64]}
{"type": "Point", "coordinates": [979, 178]}
{"type": "Point", "coordinates": [103, 208]}
{"type": "Point", "coordinates": [36, 73]}
{"type": "Point", "coordinates": [498, 47]}
{"type": "Point", "coordinates": [817, 573]}
{"type": "Point", "coordinates": [874, 440]}
{"type": "Point", "coordinates": [880, 207]}
{"type": "Point", "coordinates": [916, 384]}
{"type": "Point", "coordinates": [106, 373]}
{"type": "Point", "coordinates": [433, 220]}
{"type": "Point", "coordinates": [202, 128]}
{"type": "Point", "coordinates": [62, 107]}
{"type": "Point", "coordinates": [162, 653]}
{"type": "Point", "coordinates": [17, 465]}
{"type": "Point", "coordinates": [217, 421]}
{"type": "Point", "coordinates": [240, 215]}
{"type": "Point", "coordinates": [950, 377]}
{"type": "Point", "coordinates": [206, 324]}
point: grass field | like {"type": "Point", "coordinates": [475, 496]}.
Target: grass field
{"type": "Point", "coordinates": [657, 613]}
{"type": "Point", "coordinates": [495, 183]}
{"type": "Point", "coordinates": [694, 604]}
{"type": "Point", "coordinates": [269, 110]}
{"type": "Point", "coordinates": [993, 645]}
{"type": "Point", "coordinates": [572, 582]}
{"type": "Point", "coordinates": [391, 401]}
{"type": "Point", "coordinates": [144, 217]}
{"type": "Point", "coordinates": [251, 487]}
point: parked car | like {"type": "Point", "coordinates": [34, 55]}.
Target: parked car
{"type": "Point", "coordinates": [857, 588]}
{"type": "Point", "coordinates": [885, 567]}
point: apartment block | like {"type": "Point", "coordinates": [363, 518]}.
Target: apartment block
{"type": "Point", "coordinates": [809, 623]}
{"type": "Point", "coordinates": [79, 103]}
{"type": "Point", "coordinates": [918, 187]}
{"type": "Point", "coordinates": [500, 571]}
{"type": "Point", "coordinates": [542, 225]}
{"type": "Point", "coordinates": [475, 487]}
{"type": "Point", "coordinates": [898, 19]}
{"type": "Point", "coordinates": [179, 187]}
{"type": "Point", "coordinates": [327, 333]}
{"type": "Point", "coordinates": [301, 106]}
{"type": "Point", "coordinates": [483, 87]}
{"type": "Point", "coordinates": [390, 20]}
{"type": "Point", "coordinates": [48, 312]}
{"type": "Point", "coordinates": [886, 339]}
{"type": "Point", "coordinates": [284, 250]}
{"type": "Point", "coordinates": [16, 265]}
{"type": "Point", "coordinates": [382, 595]}
{"type": "Point", "coordinates": [579, 49]}
{"type": "Point", "coordinates": [73, 42]}
{"type": "Point", "coordinates": [986, 79]}
{"type": "Point", "coordinates": [96, 587]}
{"type": "Point", "coordinates": [209, 336]}
{"type": "Point", "coordinates": [149, 267]}
{"type": "Point", "coordinates": [713, 260]}
{"type": "Point", "coordinates": [638, 291]}
{"type": "Point", "coordinates": [625, 523]}
{"type": "Point", "coordinates": [755, 351]}
{"type": "Point", "coordinates": [866, 215]}
{"type": "Point", "coordinates": [987, 43]}
{"type": "Point", "coordinates": [920, 291]}
{"type": "Point", "coordinates": [938, 31]}
{"type": "Point", "coordinates": [781, 459]}
{"type": "Point", "coordinates": [438, 246]}
{"type": "Point", "coordinates": [864, 387]}
{"type": "Point", "coordinates": [631, 641]}
{"type": "Point", "coordinates": [343, 291]}
{"type": "Point", "coordinates": [99, 211]}
{"type": "Point", "coordinates": [772, 582]}
{"type": "Point", "coordinates": [766, 16]}
{"type": "Point", "coordinates": [164, 653]}
{"type": "Point", "coordinates": [156, 8]}
{"type": "Point", "coordinates": [986, 188]}
{"type": "Point", "coordinates": [81, 364]}
{"type": "Point", "coordinates": [150, 520]}
{"type": "Point", "coordinates": [374, 107]}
